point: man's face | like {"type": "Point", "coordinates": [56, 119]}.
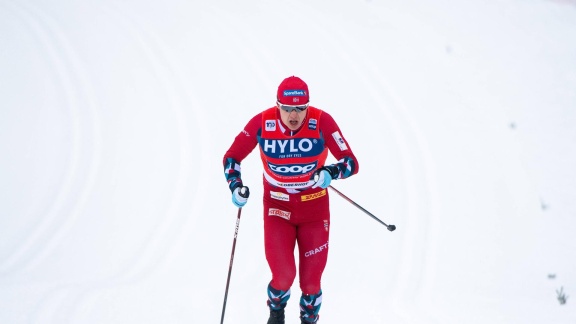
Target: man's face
{"type": "Point", "coordinates": [293, 119]}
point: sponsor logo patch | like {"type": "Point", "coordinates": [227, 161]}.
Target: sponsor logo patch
{"type": "Point", "coordinates": [279, 213]}
{"type": "Point", "coordinates": [270, 125]}
{"type": "Point", "coordinates": [340, 141]}
{"type": "Point", "coordinates": [314, 195]}
{"type": "Point", "coordinates": [279, 196]}
{"type": "Point", "coordinates": [288, 146]}
{"type": "Point", "coordinates": [292, 169]}
{"type": "Point", "coordinates": [293, 93]}
{"type": "Point", "coordinates": [312, 124]}
{"type": "Point", "coordinates": [291, 148]}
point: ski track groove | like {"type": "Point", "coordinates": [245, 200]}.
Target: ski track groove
{"type": "Point", "coordinates": [22, 255]}
{"type": "Point", "coordinates": [58, 221]}
{"type": "Point", "coordinates": [157, 248]}
{"type": "Point", "coordinates": [42, 240]}
{"type": "Point", "coordinates": [60, 303]}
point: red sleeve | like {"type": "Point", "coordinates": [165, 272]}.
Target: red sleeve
{"type": "Point", "coordinates": [245, 141]}
{"type": "Point", "coordinates": [338, 146]}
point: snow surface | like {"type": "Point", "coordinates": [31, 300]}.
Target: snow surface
{"type": "Point", "coordinates": [115, 115]}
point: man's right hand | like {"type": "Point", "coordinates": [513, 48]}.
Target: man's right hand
{"type": "Point", "coordinates": [240, 196]}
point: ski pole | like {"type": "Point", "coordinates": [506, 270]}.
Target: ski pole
{"type": "Point", "coordinates": [230, 267]}
{"type": "Point", "coordinates": [389, 227]}
{"type": "Point", "coordinates": [244, 192]}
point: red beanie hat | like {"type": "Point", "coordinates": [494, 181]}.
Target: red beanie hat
{"type": "Point", "coordinates": [293, 91]}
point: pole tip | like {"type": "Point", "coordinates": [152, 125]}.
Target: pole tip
{"type": "Point", "coordinates": [391, 228]}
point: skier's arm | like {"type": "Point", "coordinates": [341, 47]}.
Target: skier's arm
{"type": "Point", "coordinates": [243, 144]}
{"type": "Point", "coordinates": [347, 164]}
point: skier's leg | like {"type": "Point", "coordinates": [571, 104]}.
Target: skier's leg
{"type": "Point", "coordinates": [313, 251]}
{"type": "Point", "coordinates": [313, 254]}
{"type": "Point", "coordinates": [279, 243]}
{"type": "Point", "coordinates": [313, 239]}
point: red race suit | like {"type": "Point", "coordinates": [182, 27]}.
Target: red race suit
{"type": "Point", "coordinates": [293, 211]}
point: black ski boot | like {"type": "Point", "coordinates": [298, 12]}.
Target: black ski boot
{"type": "Point", "coordinates": [306, 322]}
{"type": "Point", "coordinates": [277, 300]}
{"type": "Point", "coordinates": [276, 316]}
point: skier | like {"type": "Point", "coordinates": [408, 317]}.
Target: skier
{"type": "Point", "coordinates": [294, 139]}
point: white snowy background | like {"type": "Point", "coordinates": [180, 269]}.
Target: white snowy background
{"type": "Point", "coordinates": [115, 115]}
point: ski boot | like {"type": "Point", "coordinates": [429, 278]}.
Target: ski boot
{"type": "Point", "coordinates": [309, 307]}
{"type": "Point", "coordinates": [276, 316]}
{"type": "Point", "coordinates": [277, 300]}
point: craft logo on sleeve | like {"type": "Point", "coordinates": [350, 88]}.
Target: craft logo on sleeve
{"type": "Point", "coordinates": [279, 213]}
{"type": "Point", "coordinates": [340, 141]}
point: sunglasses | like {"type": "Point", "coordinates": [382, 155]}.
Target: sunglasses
{"type": "Point", "coordinates": [290, 108]}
